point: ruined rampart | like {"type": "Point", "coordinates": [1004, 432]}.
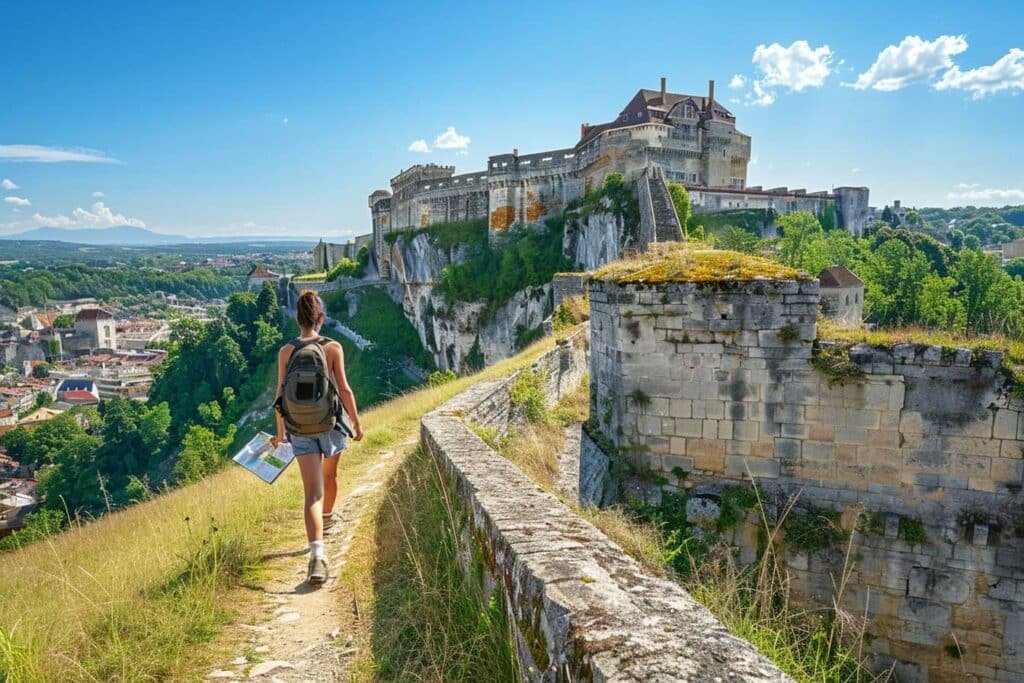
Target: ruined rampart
{"type": "Point", "coordinates": [581, 609]}
{"type": "Point", "coordinates": [916, 450]}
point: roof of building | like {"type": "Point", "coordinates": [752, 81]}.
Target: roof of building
{"type": "Point", "coordinates": [77, 385]}
{"type": "Point", "coordinates": [79, 396]}
{"type": "Point", "coordinates": [261, 271]}
{"type": "Point", "coordinates": [39, 416]}
{"type": "Point", "coordinates": [835, 277]}
{"type": "Point", "coordinates": [90, 314]}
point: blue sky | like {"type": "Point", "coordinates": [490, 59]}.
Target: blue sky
{"type": "Point", "coordinates": [280, 118]}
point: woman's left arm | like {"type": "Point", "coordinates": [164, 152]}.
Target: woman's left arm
{"type": "Point", "coordinates": [348, 399]}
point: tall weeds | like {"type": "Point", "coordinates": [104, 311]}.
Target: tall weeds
{"type": "Point", "coordinates": [432, 618]}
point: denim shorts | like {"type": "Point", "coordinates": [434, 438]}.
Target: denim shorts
{"type": "Point", "coordinates": [330, 443]}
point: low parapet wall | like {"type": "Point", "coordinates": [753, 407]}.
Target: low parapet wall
{"type": "Point", "coordinates": [581, 609]}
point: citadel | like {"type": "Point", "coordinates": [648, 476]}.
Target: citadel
{"type": "Point", "coordinates": [671, 137]}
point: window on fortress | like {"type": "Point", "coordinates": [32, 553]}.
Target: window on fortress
{"type": "Point", "coordinates": [847, 299]}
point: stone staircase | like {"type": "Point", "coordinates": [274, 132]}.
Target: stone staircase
{"type": "Point", "coordinates": [666, 222]}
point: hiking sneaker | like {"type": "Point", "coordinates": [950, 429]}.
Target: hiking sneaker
{"type": "Point", "coordinates": [331, 519]}
{"type": "Point", "coordinates": [317, 571]}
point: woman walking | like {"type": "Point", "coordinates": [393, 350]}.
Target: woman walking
{"type": "Point", "coordinates": [311, 389]}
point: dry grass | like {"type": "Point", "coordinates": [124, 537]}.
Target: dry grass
{"type": "Point", "coordinates": [1012, 349]}
{"type": "Point", "coordinates": [135, 595]}
{"type": "Point", "coordinates": [682, 262]}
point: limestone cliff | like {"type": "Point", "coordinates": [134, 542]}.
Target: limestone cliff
{"type": "Point", "coordinates": [461, 335]}
{"type": "Point", "coordinates": [598, 238]}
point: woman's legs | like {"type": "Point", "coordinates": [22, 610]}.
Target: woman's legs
{"type": "Point", "coordinates": [313, 486]}
{"type": "Point", "coordinates": [330, 469]}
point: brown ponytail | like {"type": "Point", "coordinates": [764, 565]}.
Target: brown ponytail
{"type": "Point", "coordinates": [308, 311]}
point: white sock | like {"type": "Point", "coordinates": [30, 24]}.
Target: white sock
{"type": "Point", "coordinates": [316, 549]}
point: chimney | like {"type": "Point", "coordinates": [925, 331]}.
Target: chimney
{"type": "Point", "coordinates": [711, 93]}
{"type": "Point", "coordinates": [664, 85]}
{"type": "Point", "coordinates": [583, 130]}
{"type": "Point", "coordinates": [515, 151]}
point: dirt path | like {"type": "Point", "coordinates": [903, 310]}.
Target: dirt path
{"type": "Point", "coordinates": [303, 633]}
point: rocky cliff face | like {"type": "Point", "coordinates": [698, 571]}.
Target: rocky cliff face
{"type": "Point", "coordinates": [598, 239]}
{"type": "Point", "coordinates": [461, 335]}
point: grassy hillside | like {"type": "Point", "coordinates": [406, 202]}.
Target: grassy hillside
{"type": "Point", "coordinates": [141, 593]}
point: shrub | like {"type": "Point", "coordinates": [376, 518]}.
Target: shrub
{"type": "Point", "coordinates": [528, 395]}
{"type": "Point", "coordinates": [437, 377]}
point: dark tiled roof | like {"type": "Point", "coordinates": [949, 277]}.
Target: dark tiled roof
{"type": "Point", "coordinates": [90, 314]}
{"type": "Point", "coordinates": [76, 385]}
{"type": "Point", "coordinates": [839, 276]}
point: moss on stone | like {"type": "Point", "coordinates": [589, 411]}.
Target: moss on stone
{"type": "Point", "coordinates": [678, 262]}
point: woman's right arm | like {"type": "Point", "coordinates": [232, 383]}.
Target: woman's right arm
{"type": "Point", "coordinates": [282, 365]}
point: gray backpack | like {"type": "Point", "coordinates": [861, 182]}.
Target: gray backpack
{"type": "Point", "coordinates": [310, 402]}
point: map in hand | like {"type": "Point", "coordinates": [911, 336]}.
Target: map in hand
{"type": "Point", "coordinates": [261, 458]}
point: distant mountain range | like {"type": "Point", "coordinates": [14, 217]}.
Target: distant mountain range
{"type": "Point", "coordinates": [129, 236]}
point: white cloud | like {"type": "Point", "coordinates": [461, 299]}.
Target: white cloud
{"type": "Point", "coordinates": [855, 169]}
{"type": "Point", "coordinates": [49, 155]}
{"type": "Point", "coordinates": [914, 60]}
{"type": "Point", "coordinates": [796, 67]}
{"type": "Point", "coordinates": [1007, 73]}
{"type": "Point", "coordinates": [761, 97]}
{"type": "Point", "coordinates": [17, 201]}
{"type": "Point", "coordinates": [420, 146]}
{"type": "Point", "coordinates": [285, 120]}
{"type": "Point", "coordinates": [737, 82]}
{"type": "Point", "coordinates": [101, 216]}
{"type": "Point", "coordinates": [451, 140]}
{"type": "Point", "coordinates": [8, 184]}
{"type": "Point", "coordinates": [98, 194]}
{"type": "Point", "coordinates": [59, 221]}
{"type": "Point", "coordinates": [973, 193]}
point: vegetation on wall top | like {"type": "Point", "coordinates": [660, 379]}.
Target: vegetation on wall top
{"type": "Point", "coordinates": [675, 262]}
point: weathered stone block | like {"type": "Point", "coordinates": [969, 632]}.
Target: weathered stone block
{"type": "Point", "coordinates": [946, 587]}
{"type": "Point", "coordinates": [787, 449]}
{"type": "Point", "coordinates": [1005, 424]}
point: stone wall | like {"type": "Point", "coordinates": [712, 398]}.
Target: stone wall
{"type": "Point", "coordinates": [708, 384]}
{"type": "Point", "coordinates": [567, 285]}
{"type": "Point", "coordinates": [581, 609]}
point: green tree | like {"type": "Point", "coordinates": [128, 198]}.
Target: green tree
{"type": "Point", "coordinates": [268, 339]}
{"type": "Point", "coordinates": [972, 242]}
{"type": "Point", "coordinates": [803, 242]}
{"type": "Point", "coordinates": [737, 239]}
{"type": "Point", "coordinates": [938, 307]}
{"type": "Point", "coordinates": [988, 293]}
{"type": "Point", "coordinates": [267, 307]}
{"type": "Point", "coordinates": [48, 438]}
{"type": "Point", "coordinates": [893, 276]}
{"type": "Point", "coordinates": [41, 371]}
{"type": "Point", "coordinates": [202, 453]}
{"type": "Point", "coordinates": [956, 239]}
{"type": "Point", "coordinates": [681, 201]}
{"type": "Point", "coordinates": [43, 400]}
{"type": "Point", "coordinates": [1015, 267]}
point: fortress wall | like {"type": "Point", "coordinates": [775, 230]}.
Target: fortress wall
{"type": "Point", "coordinates": [707, 384]}
{"type": "Point", "coordinates": [580, 608]}
{"type": "Point", "coordinates": [526, 189]}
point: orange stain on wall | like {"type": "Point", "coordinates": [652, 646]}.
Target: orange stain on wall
{"type": "Point", "coordinates": [502, 218]}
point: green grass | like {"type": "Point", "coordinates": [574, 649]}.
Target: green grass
{"type": "Point", "coordinates": [433, 621]}
{"type": "Point", "coordinates": [141, 593]}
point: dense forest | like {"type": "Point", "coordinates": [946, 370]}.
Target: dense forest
{"type": "Point", "coordinates": [20, 286]}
